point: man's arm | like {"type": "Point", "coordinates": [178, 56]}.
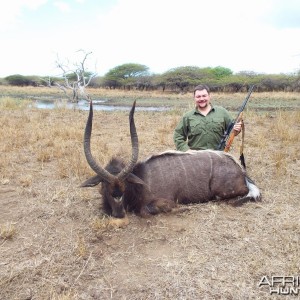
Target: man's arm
{"type": "Point", "coordinates": [180, 136]}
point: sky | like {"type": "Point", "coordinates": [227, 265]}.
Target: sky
{"type": "Point", "coordinates": [261, 36]}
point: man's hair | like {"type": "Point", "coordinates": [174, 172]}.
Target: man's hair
{"type": "Point", "coordinates": [201, 87]}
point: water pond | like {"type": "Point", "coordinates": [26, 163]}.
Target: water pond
{"type": "Point", "coordinates": [97, 105]}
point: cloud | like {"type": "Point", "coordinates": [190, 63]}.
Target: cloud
{"type": "Point", "coordinates": [12, 12]}
{"type": "Point", "coordinates": [159, 34]}
{"type": "Point", "coordinates": [62, 6]}
{"type": "Point", "coordinates": [284, 13]}
{"type": "Point", "coordinates": [166, 34]}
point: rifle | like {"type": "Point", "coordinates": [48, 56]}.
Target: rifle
{"type": "Point", "coordinates": [229, 134]}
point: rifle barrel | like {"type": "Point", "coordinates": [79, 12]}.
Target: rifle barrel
{"type": "Point", "coordinates": [245, 102]}
{"type": "Point", "coordinates": [230, 127]}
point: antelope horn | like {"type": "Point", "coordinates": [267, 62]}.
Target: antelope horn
{"type": "Point", "coordinates": [105, 175]}
{"type": "Point", "coordinates": [134, 146]}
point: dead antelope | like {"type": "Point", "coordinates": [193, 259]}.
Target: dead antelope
{"type": "Point", "coordinates": [156, 184]}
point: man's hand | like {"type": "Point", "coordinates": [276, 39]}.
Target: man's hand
{"type": "Point", "coordinates": [237, 127]}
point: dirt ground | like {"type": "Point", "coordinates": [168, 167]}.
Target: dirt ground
{"type": "Point", "coordinates": [55, 242]}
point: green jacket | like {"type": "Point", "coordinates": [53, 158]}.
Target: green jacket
{"type": "Point", "coordinates": [198, 132]}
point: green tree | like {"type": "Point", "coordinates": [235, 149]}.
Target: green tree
{"type": "Point", "coordinates": [19, 80]}
{"type": "Point", "coordinates": [183, 78]}
{"type": "Point", "coordinates": [126, 75]}
{"type": "Point", "coordinates": [221, 72]}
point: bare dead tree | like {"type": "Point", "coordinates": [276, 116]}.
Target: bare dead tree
{"type": "Point", "coordinates": [75, 78]}
{"type": "Point", "coordinates": [47, 80]}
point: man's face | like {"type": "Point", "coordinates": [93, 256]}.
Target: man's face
{"type": "Point", "coordinates": [202, 99]}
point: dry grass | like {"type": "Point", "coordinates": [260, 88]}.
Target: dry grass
{"type": "Point", "coordinates": [7, 231]}
{"type": "Point", "coordinates": [56, 244]}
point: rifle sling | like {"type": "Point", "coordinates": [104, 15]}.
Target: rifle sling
{"type": "Point", "coordinates": [242, 158]}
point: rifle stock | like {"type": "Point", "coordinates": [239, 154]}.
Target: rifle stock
{"type": "Point", "coordinates": [231, 136]}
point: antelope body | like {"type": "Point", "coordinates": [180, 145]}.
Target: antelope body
{"type": "Point", "coordinates": [156, 184]}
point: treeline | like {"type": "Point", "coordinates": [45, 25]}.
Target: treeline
{"type": "Point", "coordinates": [182, 79]}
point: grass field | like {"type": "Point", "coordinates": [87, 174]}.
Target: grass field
{"type": "Point", "coordinates": [258, 101]}
{"type": "Point", "coordinates": [55, 242]}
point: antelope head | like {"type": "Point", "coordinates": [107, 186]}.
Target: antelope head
{"type": "Point", "coordinates": [114, 184]}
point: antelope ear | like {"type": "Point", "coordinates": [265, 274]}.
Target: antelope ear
{"type": "Point", "coordinates": [134, 179]}
{"type": "Point", "coordinates": [92, 181]}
